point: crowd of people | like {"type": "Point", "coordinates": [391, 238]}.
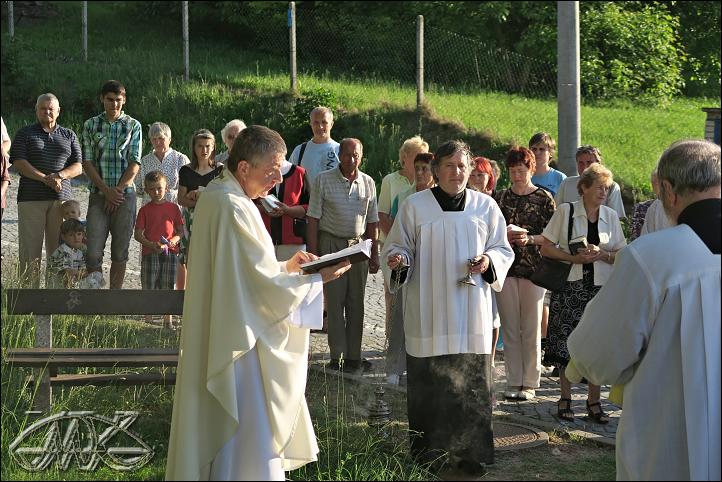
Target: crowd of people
{"type": "Point", "coordinates": [458, 255]}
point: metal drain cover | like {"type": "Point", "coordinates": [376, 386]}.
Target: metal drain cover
{"type": "Point", "coordinates": [511, 436]}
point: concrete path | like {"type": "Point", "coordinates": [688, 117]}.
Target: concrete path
{"type": "Point", "coordinates": [540, 412]}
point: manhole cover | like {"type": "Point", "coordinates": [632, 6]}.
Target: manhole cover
{"type": "Point", "coordinates": [510, 436]}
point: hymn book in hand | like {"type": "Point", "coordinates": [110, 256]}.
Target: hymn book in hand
{"type": "Point", "coordinates": [355, 254]}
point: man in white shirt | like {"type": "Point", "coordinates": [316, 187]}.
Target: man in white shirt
{"type": "Point", "coordinates": [586, 156]}
{"type": "Point", "coordinates": [655, 328]}
{"type": "Point", "coordinates": [321, 152]}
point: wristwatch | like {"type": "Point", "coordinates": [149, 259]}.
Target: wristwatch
{"type": "Point", "coordinates": [60, 176]}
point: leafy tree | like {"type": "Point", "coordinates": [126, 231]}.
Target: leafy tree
{"type": "Point", "coordinates": [630, 53]}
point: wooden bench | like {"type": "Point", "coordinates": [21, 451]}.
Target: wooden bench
{"type": "Point", "coordinates": [45, 359]}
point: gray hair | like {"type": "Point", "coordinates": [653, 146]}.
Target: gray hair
{"type": "Point", "coordinates": [690, 165]}
{"type": "Point", "coordinates": [587, 149]}
{"type": "Point", "coordinates": [45, 98]}
{"type": "Point", "coordinates": [322, 110]}
{"type": "Point", "coordinates": [159, 129]}
{"type": "Point", "coordinates": [348, 140]}
{"type": "Point", "coordinates": [253, 145]}
{"type": "Point", "coordinates": [235, 122]}
{"type": "Point", "coordinates": [449, 149]}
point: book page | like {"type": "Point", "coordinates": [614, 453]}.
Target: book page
{"type": "Point", "coordinates": [356, 253]}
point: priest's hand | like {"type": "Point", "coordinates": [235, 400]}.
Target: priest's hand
{"type": "Point", "coordinates": [395, 261]}
{"type": "Point", "coordinates": [293, 265]}
{"type": "Point", "coordinates": [330, 273]}
{"type": "Point", "coordinates": [481, 266]}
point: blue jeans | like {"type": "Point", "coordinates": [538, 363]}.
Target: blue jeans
{"type": "Point", "coordinates": [119, 225]}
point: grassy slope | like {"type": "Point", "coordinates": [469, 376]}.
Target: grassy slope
{"type": "Point", "coordinates": [227, 83]}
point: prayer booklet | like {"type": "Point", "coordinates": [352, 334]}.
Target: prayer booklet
{"type": "Point", "coordinates": [577, 243]}
{"type": "Point", "coordinates": [269, 203]}
{"type": "Point", "coordinates": [356, 253]}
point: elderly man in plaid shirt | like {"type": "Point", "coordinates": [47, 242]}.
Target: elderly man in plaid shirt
{"type": "Point", "coordinates": [111, 159]}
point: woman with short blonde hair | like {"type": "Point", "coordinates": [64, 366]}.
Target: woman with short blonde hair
{"type": "Point", "coordinates": [601, 231]}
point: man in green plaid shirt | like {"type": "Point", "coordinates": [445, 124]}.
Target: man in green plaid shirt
{"type": "Point", "coordinates": [111, 159]}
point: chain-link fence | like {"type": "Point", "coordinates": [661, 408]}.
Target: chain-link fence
{"type": "Point", "coordinates": [345, 46]}
{"type": "Point", "coordinates": [452, 60]}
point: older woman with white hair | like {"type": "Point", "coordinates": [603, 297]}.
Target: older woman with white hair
{"type": "Point", "coordinates": [164, 159]}
{"type": "Point", "coordinates": [229, 134]}
{"type": "Point", "coordinates": [448, 246]}
{"type": "Point", "coordinates": [591, 268]}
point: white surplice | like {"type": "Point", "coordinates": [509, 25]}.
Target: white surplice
{"type": "Point", "coordinates": [245, 327]}
{"type": "Point", "coordinates": [441, 315]}
{"type": "Point", "coordinates": [655, 327]}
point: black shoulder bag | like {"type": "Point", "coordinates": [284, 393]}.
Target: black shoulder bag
{"type": "Point", "coordinates": [550, 273]}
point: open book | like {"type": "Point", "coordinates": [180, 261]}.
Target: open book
{"type": "Point", "coordinates": [269, 203]}
{"type": "Point", "coordinates": [356, 253]}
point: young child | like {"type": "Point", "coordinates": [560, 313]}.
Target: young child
{"type": "Point", "coordinates": [66, 267]}
{"type": "Point", "coordinates": [71, 210]}
{"type": "Point", "coordinates": [545, 176]}
{"type": "Point", "coordinates": [158, 229]}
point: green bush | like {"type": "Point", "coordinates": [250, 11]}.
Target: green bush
{"type": "Point", "coordinates": [296, 120]}
{"type": "Point", "coordinates": [634, 54]}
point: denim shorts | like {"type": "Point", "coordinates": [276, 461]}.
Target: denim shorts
{"type": "Point", "coordinates": [119, 225]}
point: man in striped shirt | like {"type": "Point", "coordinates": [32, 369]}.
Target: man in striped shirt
{"type": "Point", "coordinates": [341, 212]}
{"type": "Point", "coordinates": [47, 155]}
{"type": "Point", "coordinates": [111, 159]}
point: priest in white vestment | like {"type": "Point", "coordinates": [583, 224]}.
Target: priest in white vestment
{"type": "Point", "coordinates": [447, 324]}
{"type": "Point", "coordinates": [655, 327]}
{"type": "Point", "coordinates": [239, 411]}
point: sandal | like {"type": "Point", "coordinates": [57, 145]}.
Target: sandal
{"type": "Point", "coordinates": [597, 417]}
{"type": "Point", "coordinates": [565, 413]}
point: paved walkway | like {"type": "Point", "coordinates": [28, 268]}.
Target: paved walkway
{"type": "Point", "coordinates": [540, 412]}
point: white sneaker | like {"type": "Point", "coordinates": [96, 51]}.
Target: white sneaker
{"type": "Point", "coordinates": [392, 379]}
{"type": "Point", "coordinates": [527, 394]}
{"type": "Point", "coordinates": [512, 394]}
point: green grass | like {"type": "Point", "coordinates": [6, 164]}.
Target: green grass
{"type": "Point", "coordinates": [226, 82]}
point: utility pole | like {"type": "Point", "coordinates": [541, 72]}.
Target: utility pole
{"type": "Point", "coordinates": [568, 86]}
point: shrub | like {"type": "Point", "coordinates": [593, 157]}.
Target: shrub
{"type": "Point", "coordinates": [626, 53]}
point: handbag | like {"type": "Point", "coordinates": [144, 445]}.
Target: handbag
{"type": "Point", "coordinates": [299, 228]}
{"type": "Point", "coordinates": [551, 273]}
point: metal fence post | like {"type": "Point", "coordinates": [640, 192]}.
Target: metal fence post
{"type": "Point", "coordinates": [292, 44]}
{"type": "Point", "coordinates": [85, 31]}
{"type": "Point", "coordinates": [43, 400]}
{"type": "Point", "coordinates": [419, 61]}
{"type": "Point", "coordinates": [186, 56]}
{"type": "Point", "coordinates": [11, 20]}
